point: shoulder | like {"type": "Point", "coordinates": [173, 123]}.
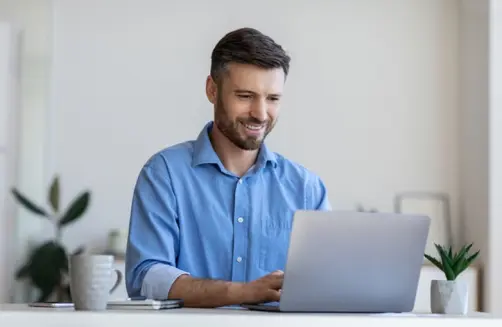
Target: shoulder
{"type": "Point", "coordinates": [157, 169]}
{"type": "Point", "coordinates": [295, 171]}
{"type": "Point", "coordinates": [177, 154]}
{"type": "Point", "coordinates": [298, 177]}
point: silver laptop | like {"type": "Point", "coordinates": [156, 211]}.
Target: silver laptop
{"type": "Point", "coordinates": [352, 262]}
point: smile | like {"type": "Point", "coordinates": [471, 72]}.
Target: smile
{"type": "Point", "coordinates": [254, 127]}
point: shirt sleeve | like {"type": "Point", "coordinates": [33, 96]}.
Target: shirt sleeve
{"type": "Point", "coordinates": [153, 239]}
{"type": "Point", "coordinates": [318, 195]}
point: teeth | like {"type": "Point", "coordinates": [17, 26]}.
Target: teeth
{"type": "Point", "coordinates": [253, 127]}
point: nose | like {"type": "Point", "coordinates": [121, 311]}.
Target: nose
{"type": "Point", "coordinates": [259, 110]}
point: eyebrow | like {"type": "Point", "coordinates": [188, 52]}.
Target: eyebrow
{"type": "Point", "coordinates": [248, 91]}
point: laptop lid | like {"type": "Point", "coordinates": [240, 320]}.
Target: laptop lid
{"type": "Point", "coordinates": [354, 261]}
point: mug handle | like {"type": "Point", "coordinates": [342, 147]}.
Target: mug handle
{"type": "Point", "coordinates": [117, 281]}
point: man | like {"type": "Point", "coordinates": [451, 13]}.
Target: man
{"type": "Point", "coordinates": [211, 218]}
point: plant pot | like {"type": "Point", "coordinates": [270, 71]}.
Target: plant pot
{"type": "Point", "coordinates": [449, 297]}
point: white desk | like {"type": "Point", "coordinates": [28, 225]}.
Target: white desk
{"type": "Point", "coordinates": [22, 315]}
{"type": "Point", "coordinates": [422, 301]}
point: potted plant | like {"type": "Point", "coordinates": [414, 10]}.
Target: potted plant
{"type": "Point", "coordinates": [451, 296]}
{"type": "Point", "coordinates": [47, 264]}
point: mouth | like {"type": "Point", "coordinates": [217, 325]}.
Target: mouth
{"type": "Point", "coordinates": [254, 129]}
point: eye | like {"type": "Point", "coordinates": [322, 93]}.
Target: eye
{"type": "Point", "coordinates": [274, 98]}
{"type": "Point", "coordinates": [244, 96]}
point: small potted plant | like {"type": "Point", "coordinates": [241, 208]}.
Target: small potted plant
{"type": "Point", "coordinates": [451, 296]}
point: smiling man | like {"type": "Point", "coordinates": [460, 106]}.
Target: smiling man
{"type": "Point", "coordinates": [211, 218]}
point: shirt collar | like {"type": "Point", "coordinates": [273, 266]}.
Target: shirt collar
{"type": "Point", "coordinates": [204, 153]}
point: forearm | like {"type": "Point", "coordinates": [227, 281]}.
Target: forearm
{"type": "Point", "coordinates": [206, 293]}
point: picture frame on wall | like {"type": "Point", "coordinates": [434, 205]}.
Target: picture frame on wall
{"type": "Point", "coordinates": [435, 205]}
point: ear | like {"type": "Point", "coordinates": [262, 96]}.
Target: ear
{"type": "Point", "coordinates": [211, 89]}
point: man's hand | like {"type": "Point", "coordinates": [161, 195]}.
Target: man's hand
{"type": "Point", "coordinates": [264, 289]}
{"type": "Point", "coordinates": [214, 293]}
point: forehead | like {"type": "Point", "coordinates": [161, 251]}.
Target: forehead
{"type": "Point", "coordinates": [254, 78]}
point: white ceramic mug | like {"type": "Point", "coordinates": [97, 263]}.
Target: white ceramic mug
{"type": "Point", "coordinates": [91, 280]}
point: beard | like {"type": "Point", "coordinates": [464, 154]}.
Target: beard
{"type": "Point", "coordinates": [230, 128]}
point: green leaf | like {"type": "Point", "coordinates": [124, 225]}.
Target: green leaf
{"type": "Point", "coordinates": [28, 204]}
{"type": "Point", "coordinates": [453, 264]}
{"type": "Point", "coordinates": [79, 250]}
{"type": "Point", "coordinates": [462, 267]}
{"type": "Point", "coordinates": [23, 272]}
{"type": "Point", "coordinates": [458, 266]}
{"type": "Point", "coordinates": [472, 257]}
{"type": "Point", "coordinates": [434, 261]}
{"type": "Point", "coordinates": [461, 254]}
{"type": "Point", "coordinates": [54, 195]}
{"type": "Point", "coordinates": [466, 262]}
{"type": "Point", "coordinates": [459, 260]}
{"type": "Point", "coordinates": [440, 249]}
{"type": "Point", "coordinates": [46, 266]}
{"type": "Point", "coordinates": [76, 209]}
{"type": "Point", "coordinates": [447, 263]}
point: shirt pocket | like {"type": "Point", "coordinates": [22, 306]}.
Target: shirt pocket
{"type": "Point", "coordinates": [274, 242]}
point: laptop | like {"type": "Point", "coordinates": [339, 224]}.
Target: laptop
{"type": "Point", "coordinates": [352, 262]}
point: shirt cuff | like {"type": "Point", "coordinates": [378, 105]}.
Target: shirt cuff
{"type": "Point", "coordinates": [159, 280]}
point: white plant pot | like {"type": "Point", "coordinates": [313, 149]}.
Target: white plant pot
{"type": "Point", "coordinates": [449, 297]}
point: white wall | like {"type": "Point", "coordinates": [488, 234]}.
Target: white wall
{"type": "Point", "coordinates": [495, 159]}
{"type": "Point", "coordinates": [474, 124]}
{"type": "Point", "coordinates": [480, 136]}
{"type": "Point", "coordinates": [9, 79]}
{"type": "Point", "coordinates": [369, 79]}
{"type": "Point", "coordinates": [33, 20]}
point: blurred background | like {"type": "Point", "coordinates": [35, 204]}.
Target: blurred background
{"type": "Point", "coordinates": [394, 103]}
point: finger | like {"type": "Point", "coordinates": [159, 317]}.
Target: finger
{"type": "Point", "coordinates": [275, 282]}
{"type": "Point", "coordinates": [273, 296]}
{"type": "Point", "coordinates": [275, 275]}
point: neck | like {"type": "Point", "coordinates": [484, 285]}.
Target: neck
{"type": "Point", "coordinates": [234, 159]}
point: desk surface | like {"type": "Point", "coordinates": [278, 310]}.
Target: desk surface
{"type": "Point", "coordinates": [21, 314]}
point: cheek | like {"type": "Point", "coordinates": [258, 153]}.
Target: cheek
{"type": "Point", "coordinates": [273, 112]}
{"type": "Point", "coordinates": [237, 108]}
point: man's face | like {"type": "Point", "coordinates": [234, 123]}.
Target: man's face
{"type": "Point", "coordinates": [247, 102]}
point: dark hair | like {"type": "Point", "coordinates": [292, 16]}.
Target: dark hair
{"type": "Point", "coordinates": [248, 46]}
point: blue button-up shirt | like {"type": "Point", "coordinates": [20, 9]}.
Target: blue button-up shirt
{"type": "Point", "coordinates": [191, 215]}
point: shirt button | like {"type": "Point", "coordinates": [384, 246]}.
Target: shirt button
{"type": "Point", "coordinates": [240, 181]}
{"type": "Point", "coordinates": [239, 259]}
{"type": "Point", "coordinates": [240, 219]}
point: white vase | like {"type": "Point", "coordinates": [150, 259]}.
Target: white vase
{"type": "Point", "coordinates": [449, 297]}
